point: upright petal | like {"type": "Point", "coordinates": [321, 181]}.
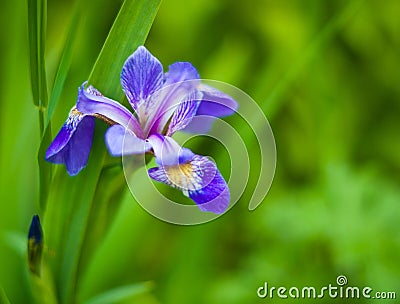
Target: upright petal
{"type": "Point", "coordinates": [180, 71]}
{"type": "Point", "coordinates": [91, 102]}
{"type": "Point", "coordinates": [119, 141]}
{"type": "Point", "coordinates": [73, 142]}
{"type": "Point", "coordinates": [141, 76]}
{"type": "Point", "coordinates": [184, 112]}
{"type": "Point", "coordinates": [181, 79]}
{"type": "Point", "coordinates": [198, 179]}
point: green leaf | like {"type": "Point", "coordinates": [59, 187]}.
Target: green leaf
{"type": "Point", "coordinates": [65, 223]}
{"type": "Point", "coordinates": [37, 10]}
{"type": "Point", "coordinates": [121, 293]}
{"type": "Point", "coordinates": [45, 169]}
{"type": "Point", "coordinates": [42, 287]}
{"type": "Point", "coordinates": [37, 18]}
{"type": "Point", "coordinates": [3, 297]}
{"type": "Point", "coordinates": [71, 199]}
{"type": "Point", "coordinates": [110, 189]}
{"type": "Point", "coordinates": [16, 241]}
{"type": "Point", "coordinates": [129, 31]}
{"type": "Point", "coordinates": [65, 63]}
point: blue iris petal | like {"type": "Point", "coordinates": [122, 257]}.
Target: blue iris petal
{"type": "Point", "coordinates": [198, 179]}
{"type": "Point", "coordinates": [73, 142]}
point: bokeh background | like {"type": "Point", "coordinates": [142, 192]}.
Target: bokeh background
{"type": "Point", "coordinates": [326, 74]}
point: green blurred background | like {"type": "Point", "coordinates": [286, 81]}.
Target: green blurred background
{"type": "Point", "coordinates": [326, 74]}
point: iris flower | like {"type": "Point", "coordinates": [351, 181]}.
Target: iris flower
{"type": "Point", "coordinates": [162, 103]}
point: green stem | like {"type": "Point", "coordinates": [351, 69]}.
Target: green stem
{"type": "Point", "coordinates": [41, 122]}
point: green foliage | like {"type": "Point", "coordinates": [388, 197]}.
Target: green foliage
{"type": "Point", "coordinates": [325, 74]}
{"type": "Point", "coordinates": [3, 297]}
{"type": "Point", "coordinates": [79, 206]}
{"type": "Point", "coordinates": [37, 18]}
{"type": "Point", "coordinates": [120, 294]}
{"type": "Point", "coordinates": [130, 30]}
{"type": "Point", "coordinates": [64, 64]}
{"type": "Point", "coordinates": [37, 21]}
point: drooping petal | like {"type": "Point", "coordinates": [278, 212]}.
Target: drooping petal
{"type": "Point", "coordinates": [73, 142]}
{"type": "Point", "coordinates": [214, 104]}
{"type": "Point", "coordinates": [167, 151]}
{"type": "Point", "coordinates": [141, 76]}
{"type": "Point", "coordinates": [120, 142]}
{"type": "Point", "coordinates": [200, 124]}
{"type": "Point", "coordinates": [198, 179]}
{"type": "Point", "coordinates": [91, 102]}
{"type": "Point", "coordinates": [215, 196]}
{"type": "Point", "coordinates": [184, 112]}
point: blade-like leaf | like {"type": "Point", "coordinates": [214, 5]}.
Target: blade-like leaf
{"type": "Point", "coordinates": [70, 204]}
{"type": "Point", "coordinates": [16, 241]}
{"type": "Point", "coordinates": [128, 32]}
{"type": "Point", "coordinates": [45, 169]}
{"type": "Point", "coordinates": [65, 222]}
{"type": "Point", "coordinates": [110, 189]}
{"type": "Point", "coordinates": [34, 48]}
{"type": "Point", "coordinates": [64, 65]}
{"type": "Point", "coordinates": [37, 10]}
{"type": "Point", "coordinates": [3, 297]}
{"type": "Point", "coordinates": [120, 293]}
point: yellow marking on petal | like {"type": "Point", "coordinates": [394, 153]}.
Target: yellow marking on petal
{"type": "Point", "coordinates": [105, 119]}
{"type": "Point", "coordinates": [74, 111]}
{"type": "Point", "coordinates": [184, 177]}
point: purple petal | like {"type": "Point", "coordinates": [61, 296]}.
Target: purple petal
{"type": "Point", "coordinates": [119, 142]}
{"type": "Point", "coordinates": [198, 179]}
{"type": "Point", "coordinates": [215, 196]}
{"type": "Point", "coordinates": [200, 124]}
{"type": "Point", "coordinates": [181, 79]}
{"type": "Point", "coordinates": [160, 175]}
{"type": "Point", "coordinates": [141, 76]}
{"type": "Point", "coordinates": [180, 71]}
{"type": "Point", "coordinates": [167, 151]}
{"type": "Point", "coordinates": [73, 142]}
{"type": "Point", "coordinates": [184, 113]}
{"type": "Point", "coordinates": [215, 103]}
{"type": "Point", "coordinates": [91, 102]}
